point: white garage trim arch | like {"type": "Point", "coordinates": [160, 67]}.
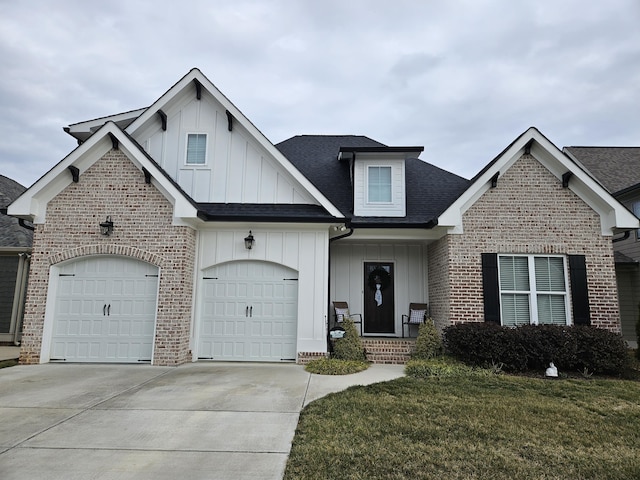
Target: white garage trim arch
{"type": "Point", "coordinates": [248, 311]}
{"type": "Point", "coordinates": [129, 289]}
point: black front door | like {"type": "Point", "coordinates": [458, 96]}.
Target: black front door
{"type": "Point", "coordinates": [378, 298]}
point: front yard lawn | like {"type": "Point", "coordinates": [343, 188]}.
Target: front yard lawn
{"type": "Point", "coordinates": [476, 427]}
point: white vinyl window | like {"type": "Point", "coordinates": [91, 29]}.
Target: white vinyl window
{"type": "Point", "coordinates": [533, 289]}
{"type": "Point", "coordinates": [378, 184]}
{"type": "Point", "coordinates": [196, 148]}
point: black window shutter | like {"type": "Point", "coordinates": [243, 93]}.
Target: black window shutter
{"type": "Point", "coordinates": [579, 290]}
{"type": "Point", "coordinates": [490, 287]}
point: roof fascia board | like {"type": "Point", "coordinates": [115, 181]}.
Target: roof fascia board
{"type": "Point", "coordinates": [187, 82]}
{"type": "Point", "coordinates": [452, 216]}
{"type": "Point", "coordinates": [183, 208]}
{"type": "Point", "coordinates": [32, 203]}
{"type": "Point", "coordinates": [87, 125]}
{"type": "Point", "coordinates": [613, 214]}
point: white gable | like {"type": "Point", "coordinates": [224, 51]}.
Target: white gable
{"type": "Point", "coordinates": [613, 215]}
{"type": "Point", "coordinates": [32, 204]}
{"type": "Point", "coordinates": [240, 166]}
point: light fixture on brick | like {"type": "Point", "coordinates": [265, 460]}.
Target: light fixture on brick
{"type": "Point", "coordinates": [106, 227]}
{"type": "Point", "coordinates": [249, 241]}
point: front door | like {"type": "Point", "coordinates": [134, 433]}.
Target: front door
{"type": "Point", "coordinates": [379, 308]}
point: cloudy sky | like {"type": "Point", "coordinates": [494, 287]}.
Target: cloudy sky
{"type": "Point", "coordinates": [462, 78]}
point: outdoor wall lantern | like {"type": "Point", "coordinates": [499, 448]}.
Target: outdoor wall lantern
{"type": "Point", "coordinates": [106, 227]}
{"type": "Point", "coordinates": [249, 241]}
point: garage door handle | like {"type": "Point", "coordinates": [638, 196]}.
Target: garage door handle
{"type": "Point", "coordinates": [104, 309]}
{"type": "Point", "coordinates": [251, 311]}
{"type": "Point", "coordinates": [109, 310]}
{"type": "Point", "coordinates": [246, 312]}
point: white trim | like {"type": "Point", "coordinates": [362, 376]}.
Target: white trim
{"type": "Point", "coordinates": [187, 82]}
{"type": "Point", "coordinates": [367, 201]}
{"type": "Point", "coordinates": [186, 150]}
{"type": "Point", "coordinates": [32, 204]}
{"type": "Point", "coordinates": [533, 292]}
{"type": "Point", "coordinates": [613, 215]}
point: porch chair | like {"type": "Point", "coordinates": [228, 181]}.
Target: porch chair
{"type": "Point", "coordinates": [341, 310]}
{"type": "Point", "coordinates": [417, 314]}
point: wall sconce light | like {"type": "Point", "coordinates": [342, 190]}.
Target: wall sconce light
{"type": "Point", "coordinates": [106, 227]}
{"type": "Point", "coordinates": [249, 241]}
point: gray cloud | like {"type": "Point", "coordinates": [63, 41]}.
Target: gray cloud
{"type": "Point", "coordinates": [462, 78]}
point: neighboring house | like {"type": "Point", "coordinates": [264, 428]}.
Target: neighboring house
{"type": "Point", "coordinates": [618, 170]}
{"type": "Point", "coordinates": [178, 232]}
{"type": "Point", "coordinates": [16, 237]}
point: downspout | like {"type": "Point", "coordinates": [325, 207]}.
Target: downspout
{"type": "Point", "coordinates": [339, 237]}
{"type": "Point", "coordinates": [619, 239]}
{"type": "Point", "coordinates": [19, 296]}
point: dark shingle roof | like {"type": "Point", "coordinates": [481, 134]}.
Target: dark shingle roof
{"type": "Point", "coordinates": [263, 212]}
{"type": "Point", "coordinates": [617, 168]}
{"type": "Point", "coordinates": [430, 190]}
{"type": "Point", "coordinates": [11, 233]}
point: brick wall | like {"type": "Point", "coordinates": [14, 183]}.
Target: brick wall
{"type": "Point", "coordinates": [528, 212]}
{"type": "Point", "coordinates": [143, 230]}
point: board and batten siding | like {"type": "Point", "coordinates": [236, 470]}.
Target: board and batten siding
{"type": "Point", "coordinates": [237, 168]}
{"type": "Point", "coordinates": [303, 250]}
{"type": "Point", "coordinates": [410, 267]}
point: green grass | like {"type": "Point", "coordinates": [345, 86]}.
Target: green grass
{"type": "Point", "coordinates": [472, 427]}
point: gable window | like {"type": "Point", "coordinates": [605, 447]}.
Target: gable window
{"type": "Point", "coordinates": [533, 289]}
{"type": "Point", "coordinates": [378, 184]}
{"type": "Point", "coordinates": [196, 148]}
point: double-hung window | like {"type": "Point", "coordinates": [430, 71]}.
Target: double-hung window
{"type": "Point", "coordinates": [196, 149]}
{"type": "Point", "coordinates": [533, 289]}
{"type": "Point", "coordinates": [378, 184]}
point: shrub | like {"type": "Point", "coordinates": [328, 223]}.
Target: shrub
{"type": "Point", "coordinates": [349, 347]}
{"type": "Point", "coordinates": [545, 344]}
{"type": "Point", "coordinates": [429, 342]}
{"type": "Point", "coordinates": [532, 347]}
{"type": "Point", "coordinates": [333, 366]}
{"type": "Point", "coordinates": [600, 351]}
{"type": "Point", "coordinates": [474, 343]}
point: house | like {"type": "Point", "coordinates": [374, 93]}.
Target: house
{"type": "Point", "coordinates": [178, 233]}
{"type": "Point", "coordinates": [618, 170]}
{"type": "Point", "coordinates": [15, 252]}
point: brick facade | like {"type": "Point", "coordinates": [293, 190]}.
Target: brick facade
{"type": "Point", "coordinates": [143, 230]}
{"type": "Point", "coordinates": [529, 212]}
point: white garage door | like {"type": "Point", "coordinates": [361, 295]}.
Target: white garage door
{"type": "Point", "coordinates": [249, 312]}
{"type": "Point", "coordinates": [105, 310]}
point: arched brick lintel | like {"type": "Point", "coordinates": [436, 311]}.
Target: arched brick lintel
{"type": "Point", "coordinates": [106, 249]}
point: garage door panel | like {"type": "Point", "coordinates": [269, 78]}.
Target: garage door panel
{"type": "Point", "coordinates": [245, 328]}
{"type": "Point", "coordinates": [106, 319]}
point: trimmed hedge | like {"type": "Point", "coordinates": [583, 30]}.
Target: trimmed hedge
{"type": "Point", "coordinates": [532, 347]}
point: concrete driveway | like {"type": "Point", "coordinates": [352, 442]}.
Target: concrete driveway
{"type": "Point", "coordinates": [197, 421]}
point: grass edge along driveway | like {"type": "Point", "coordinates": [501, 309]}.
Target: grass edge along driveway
{"type": "Point", "coordinates": [491, 427]}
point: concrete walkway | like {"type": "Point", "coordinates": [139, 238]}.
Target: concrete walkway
{"type": "Point", "coordinates": [198, 421]}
